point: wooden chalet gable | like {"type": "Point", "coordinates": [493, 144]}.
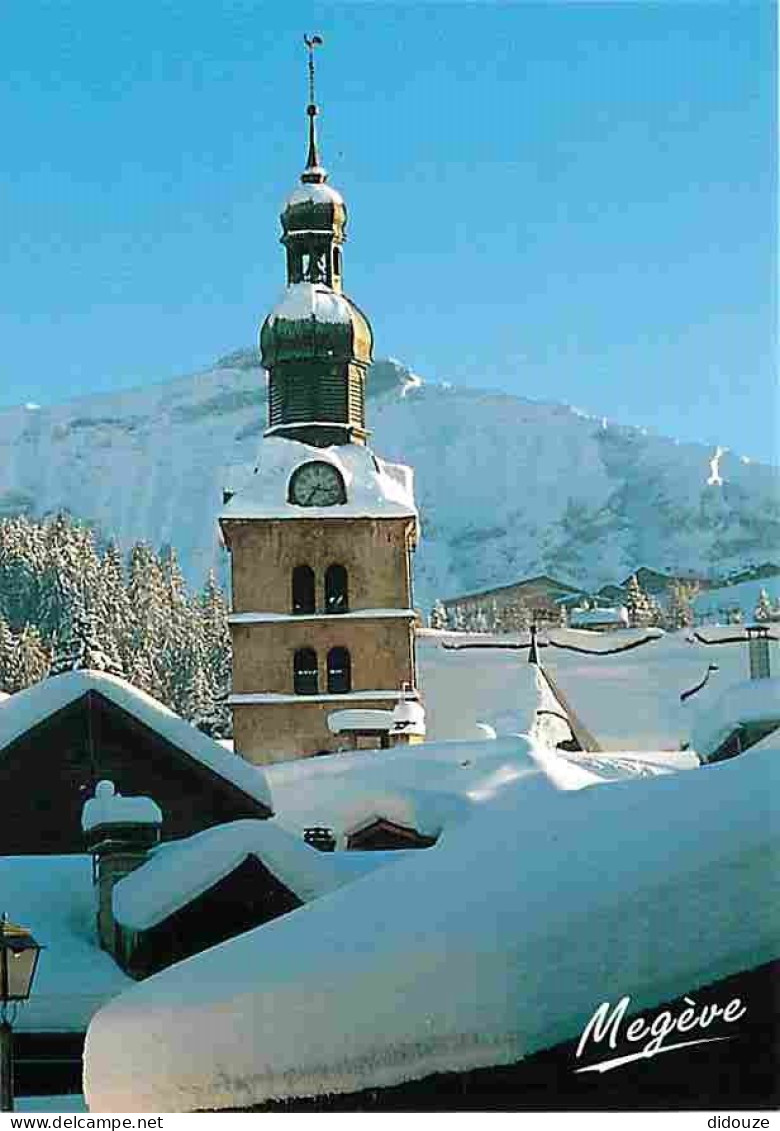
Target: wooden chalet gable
{"type": "Point", "coordinates": [49, 768]}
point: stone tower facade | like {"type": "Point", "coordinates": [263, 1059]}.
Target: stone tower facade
{"type": "Point", "coordinates": [320, 530]}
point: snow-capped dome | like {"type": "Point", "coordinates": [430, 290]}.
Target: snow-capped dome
{"type": "Point", "coordinates": [313, 320]}
{"type": "Point", "coordinates": [314, 207]}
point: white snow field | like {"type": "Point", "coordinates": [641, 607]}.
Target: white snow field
{"type": "Point", "coordinates": [53, 896]}
{"type": "Point", "coordinates": [499, 941]}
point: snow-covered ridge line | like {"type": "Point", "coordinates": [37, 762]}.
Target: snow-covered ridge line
{"type": "Point", "coordinates": [605, 501]}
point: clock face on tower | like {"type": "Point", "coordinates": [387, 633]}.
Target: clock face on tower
{"type": "Point", "coordinates": [317, 484]}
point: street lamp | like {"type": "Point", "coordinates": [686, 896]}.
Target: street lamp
{"type": "Point", "coordinates": [19, 954]}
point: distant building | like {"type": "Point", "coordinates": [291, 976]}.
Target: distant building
{"type": "Point", "coordinates": [541, 595]}
{"type": "Point", "coordinates": [599, 619]}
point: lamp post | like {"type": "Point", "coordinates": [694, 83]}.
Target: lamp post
{"type": "Point", "coordinates": [19, 953]}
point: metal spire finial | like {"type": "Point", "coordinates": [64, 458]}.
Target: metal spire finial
{"type": "Point", "coordinates": [312, 160]}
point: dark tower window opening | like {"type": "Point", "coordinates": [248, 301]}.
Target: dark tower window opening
{"type": "Point", "coordinates": [305, 679]}
{"type": "Point", "coordinates": [303, 596]}
{"type": "Point", "coordinates": [336, 261]}
{"type": "Point", "coordinates": [339, 671]}
{"type": "Point", "coordinates": [336, 589]}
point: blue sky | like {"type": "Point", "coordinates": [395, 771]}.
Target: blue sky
{"type": "Point", "coordinates": [570, 201]}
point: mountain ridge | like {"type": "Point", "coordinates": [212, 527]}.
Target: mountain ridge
{"type": "Point", "coordinates": [506, 486]}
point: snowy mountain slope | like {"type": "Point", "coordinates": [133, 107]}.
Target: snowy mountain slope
{"type": "Point", "coordinates": [506, 486]}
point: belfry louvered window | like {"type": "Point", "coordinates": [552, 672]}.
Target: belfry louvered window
{"type": "Point", "coordinates": [305, 672]}
{"type": "Point", "coordinates": [303, 599]}
{"type": "Point", "coordinates": [336, 589]}
{"type": "Point", "coordinates": [339, 671]}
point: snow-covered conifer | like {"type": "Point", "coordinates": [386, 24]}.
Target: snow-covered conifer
{"type": "Point", "coordinates": [31, 659]}
{"type": "Point", "coordinates": [642, 610]}
{"type": "Point", "coordinates": [438, 617]}
{"type": "Point", "coordinates": [763, 610]}
{"type": "Point", "coordinates": [679, 612]}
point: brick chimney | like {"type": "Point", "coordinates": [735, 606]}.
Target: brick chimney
{"type": "Point", "coordinates": [119, 831]}
{"type": "Point", "coordinates": [758, 648]}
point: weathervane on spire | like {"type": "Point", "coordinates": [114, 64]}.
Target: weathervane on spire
{"type": "Point", "coordinates": [312, 161]}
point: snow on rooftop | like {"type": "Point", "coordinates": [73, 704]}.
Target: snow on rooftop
{"type": "Point", "coordinates": [179, 871]}
{"type": "Point", "coordinates": [53, 896]}
{"type": "Point", "coordinates": [374, 488]}
{"type": "Point", "coordinates": [611, 615]}
{"type": "Point", "coordinates": [356, 719]}
{"type": "Point", "coordinates": [311, 300]}
{"type": "Point", "coordinates": [752, 701]}
{"type": "Point", "coordinates": [27, 708]}
{"type": "Point", "coordinates": [108, 807]}
{"type": "Point", "coordinates": [429, 786]}
{"type": "Point", "coordinates": [648, 888]}
{"type": "Point", "coordinates": [313, 194]}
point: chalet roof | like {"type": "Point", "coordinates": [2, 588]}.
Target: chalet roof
{"type": "Point", "coordinates": [27, 709]}
{"type": "Point", "coordinates": [584, 617]}
{"type": "Point", "coordinates": [53, 896]}
{"type": "Point", "coordinates": [431, 787]}
{"type": "Point", "coordinates": [545, 908]}
{"type": "Point", "coordinates": [540, 581]}
{"type": "Point", "coordinates": [754, 701]}
{"type": "Point", "coordinates": [181, 870]}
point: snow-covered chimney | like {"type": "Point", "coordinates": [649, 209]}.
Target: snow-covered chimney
{"type": "Point", "coordinates": [119, 832]}
{"type": "Point", "coordinates": [758, 647]}
{"type": "Point", "coordinates": [408, 718]}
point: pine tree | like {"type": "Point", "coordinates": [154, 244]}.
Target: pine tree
{"type": "Point", "coordinates": [7, 649]}
{"type": "Point", "coordinates": [763, 610]}
{"type": "Point", "coordinates": [639, 606]}
{"type": "Point", "coordinates": [438, 618]}
{"type": "Point", "coordinates": [112, 606]}
{"type": "Point", "coordinates": [31, 659]}
{"type": "Point", "coordinates": [211, 625]}
{"type": "Point", "coordinates": [679, 612]}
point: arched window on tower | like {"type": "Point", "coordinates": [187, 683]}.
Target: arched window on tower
{"type": "Point", "coordinates": [336, 589]}
{"type": "Point", "coordinates": [305, 672]}
{"type": "Point", "coordinates": [337, 262]}
{"type": "Point", "coordinates": [303, 600]}
{"type": "Point", "coordinates": [339, 671]}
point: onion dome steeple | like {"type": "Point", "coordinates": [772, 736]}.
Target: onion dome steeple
{"type": "Point", "coordinates": [316, 344]}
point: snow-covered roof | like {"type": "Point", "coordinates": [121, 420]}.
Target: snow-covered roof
{"type": "Point", "coordinates": [430, 786]}
{"type": "Point", "coordinates": [311, 300]}
{"type": "Point", "coordinates": [181, 870]}
{"type": "Point", "coordinates": [54, 897]}
{"type": "Point", "coordinates": [108, 807]}
{"type": "Point", "coordinates": [611, 615]}
{"type": "Point", "coordinates": [356, 719]}
{"type": "Point", "coordinates": [27, 708]}
{"type": "Point", "coordinates": [313, 194]}
{"type": "Point", "coordinates": [543, 911]}
{"type": "Point", "coordinates": [710, 603]}
{"type": "Point", "coordinates": [374, 488]}
{"type": "Point", "coordinates": [753, 701]}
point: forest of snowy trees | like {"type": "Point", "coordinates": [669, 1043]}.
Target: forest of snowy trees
{"type": "Point", "coordinates": [68, 601]}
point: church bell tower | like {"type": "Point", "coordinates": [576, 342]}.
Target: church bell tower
{"type": "Point", "coordinates": [320, 530]}
{"type": "Point", "coordinates": [316, 344]}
